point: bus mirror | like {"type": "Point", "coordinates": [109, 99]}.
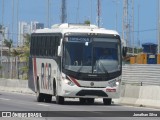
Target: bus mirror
{"type": "Point", "coordinates": [59, 51]}
{"type": "Point", "coordinates": [124, 51]}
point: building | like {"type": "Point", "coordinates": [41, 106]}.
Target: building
{"type": "Point", "coordinates": [23, 28]}
{"type": "Point", "coordinates": [36, 25]}
{"type": "Point", "coordinates": [4, 31]}
{"type": "Point", "coordinates": [26, 28]}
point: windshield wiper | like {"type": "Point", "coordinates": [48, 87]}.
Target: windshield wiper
{"type": "Point", "coordinates": [78, 72]}
{"type": "Point", "coordinates": [106, 72]}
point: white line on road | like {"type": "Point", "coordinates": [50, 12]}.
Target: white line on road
{"type": "Point", "coordinates": [4, 99]}
{"type": "Point", "coordinates": [43, 105]}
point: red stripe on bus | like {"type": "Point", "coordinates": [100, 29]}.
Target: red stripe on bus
{"type": "Point", "coordinates": [75, 81]}
{"type": "Point", "coordinates": [35, 69]}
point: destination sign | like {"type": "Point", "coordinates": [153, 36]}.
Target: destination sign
{"type": "Point", "coordinates": [79, 39]}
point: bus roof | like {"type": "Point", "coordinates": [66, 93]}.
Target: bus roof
{"type": "Point", "coordinates": [76, 28]}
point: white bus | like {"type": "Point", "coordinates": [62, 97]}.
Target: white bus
{"type": "Point", "coordinates": [75, 61]}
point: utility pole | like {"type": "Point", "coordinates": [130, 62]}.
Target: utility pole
{"type": "Point", "coordinates": [2, 31]}
{"type": "Point", "coordinates": [91, 2]}
{"type": "Point", "coordinates": [138, 31]}
{"type": "Point", "coordinates": [128, 24]}
{"type": "Point", "coordinates": [98, 12]}
{"type": "Point", "coordinates": [17, 20]}
{"type": "Point", "coordinates": [116, 13]}
{"type": "Point", "coordinates": [16, 57]}
{"type": "Point", "coordinates": [125, 31]}
{"type": "Point", "coordinates": [12, 38]}
{"type": "Point", "coordinates": [133, 26]}
{"type": "Point", "coordinates": [158, 26]}
{"type": "Point", "coordinates": [77, 15]}
{"type": "Point", "coordinates": [63, 12]}
{"type": "Point", "coordinates": [48, 13]}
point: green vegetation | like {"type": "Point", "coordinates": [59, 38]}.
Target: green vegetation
{"type": "Point", "coordinates": [87, 22]}
{"type": "Point", "coordinates": [21, 54]}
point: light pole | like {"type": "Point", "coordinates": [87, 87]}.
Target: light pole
{"type": "Point", "coordinates": [158, 25]}
{"type": "Point", "coordinates": [2, 31]}
{"type": "Point", "coordinates": [116, 13]}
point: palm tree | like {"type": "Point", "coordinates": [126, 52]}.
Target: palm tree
{"type": "Point", "coordinates": [8, 43]}
{"type": "Point", "coordinates": [24, 56]}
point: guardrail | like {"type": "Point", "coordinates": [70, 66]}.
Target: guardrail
{"type": "Point", "coordinates": [141, 74]}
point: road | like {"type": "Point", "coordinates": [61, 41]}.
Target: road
{"type": "Point", "coordinates": [26, 102]}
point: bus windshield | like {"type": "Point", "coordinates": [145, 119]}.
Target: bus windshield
{"type": "Point", "coordinates": [91, 55]}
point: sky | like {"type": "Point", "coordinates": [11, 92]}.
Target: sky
{"type": "Point", "coordinates": [36, 10]}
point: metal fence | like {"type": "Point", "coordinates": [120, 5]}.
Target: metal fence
{"type": "Point", "coordinates": [5, 71]}
{"type": "Point", "coordinates": [140, 74]}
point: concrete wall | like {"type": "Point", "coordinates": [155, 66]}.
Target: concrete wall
{"type": "Point", "coordinates": [140, 96]}
{"type": "Point", "coordinates": [14, 85]}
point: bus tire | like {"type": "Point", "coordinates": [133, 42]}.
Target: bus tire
{"type": "Point", "coordinates": [59, 99]}
{"type": "Point", "coordinates": [82, 100]}
{"type": "Point", "coordinates": [48, 98]}
{"type": "Point", "coordinates": [54, 87]}
{"type": "Point", "coordinates": [90, 101]}
{"type": "Point", "coordinates": [39, 96]}
{"type": "Point", "coordinates": [107, 101]}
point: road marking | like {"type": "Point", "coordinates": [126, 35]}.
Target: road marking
{"type": "Point", "coordinates": [145, 107]}
{"type": "Point", "coordinates": [43, 105]}
{"type": "Point", "coordinates": [4, 99]}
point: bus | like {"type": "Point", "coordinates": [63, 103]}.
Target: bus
{"type": "Point", "coordinates": [75, 61]}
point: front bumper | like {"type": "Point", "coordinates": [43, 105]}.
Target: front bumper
{"type": "Point", "coordinates": [83, 92]}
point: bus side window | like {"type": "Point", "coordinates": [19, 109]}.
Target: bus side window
{"type": "Point", "coordinates": [52, 46]}
{"type": "Point", "coordinates": [48, 45]}
{"type": "Point", "coordinates": [40, 46]}
{"type": "Point", "coordinates": [31, 47]}
{"type": "Point", "coordinates": [57, 42]}
{"type": "Point", "coordinates": [34, 46]}
{"type": "Point", "coordinates": [37, 46]}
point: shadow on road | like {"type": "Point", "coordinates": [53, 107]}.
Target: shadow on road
{"type": "Point", "coordinates": [86, 104]}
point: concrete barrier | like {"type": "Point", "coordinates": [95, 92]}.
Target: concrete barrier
{"type": "Point", "coordinates": [129, 94]}
{"type": "Point", "coordinates": [148, 96]}
{"type": "Point", "coordinates": [15, 85]}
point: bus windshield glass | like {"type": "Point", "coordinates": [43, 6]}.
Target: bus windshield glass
{"type": "Point", "coordinates": [91, 55]}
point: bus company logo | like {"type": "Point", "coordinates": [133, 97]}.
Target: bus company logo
{"type": "Point", "coordinates": [6, 114]}
{"type": "Point", "coordinates": [92, 83]}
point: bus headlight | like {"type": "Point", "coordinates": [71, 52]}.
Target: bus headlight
{"type": "Point", "coordinates": [117, 83]}
{"type": "Point", "coordinates": [69, 82]}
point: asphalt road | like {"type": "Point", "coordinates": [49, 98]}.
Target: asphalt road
{"type": "Point", "coordinates": [25, 102]}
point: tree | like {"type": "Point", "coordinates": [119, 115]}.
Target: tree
{"type": "Point", "coordinates": [87, 22]}
{"type": "Point", "coordinates": [8, 43]}
{"type": "Point", "coordinates": [25, 52]}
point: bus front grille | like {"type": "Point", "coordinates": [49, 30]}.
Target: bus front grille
{"type": "Point", "coordinates": [92, 93]}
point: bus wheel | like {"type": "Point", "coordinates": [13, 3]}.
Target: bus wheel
{"type": "Point", "coordinates": [59, 100]}
{"type": "Point", "coordinates": [48, 98]}
{"type": "Point", "coordinates": [82, 100]}
{"type": "Point", "coordinates": [54, 88]}
{"type": "Point", "coordinates": [107, 101]}
{"type": "Point", "coordinates": [90, 101]}
{"type": "Point", "coordinates": [40, 96]}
